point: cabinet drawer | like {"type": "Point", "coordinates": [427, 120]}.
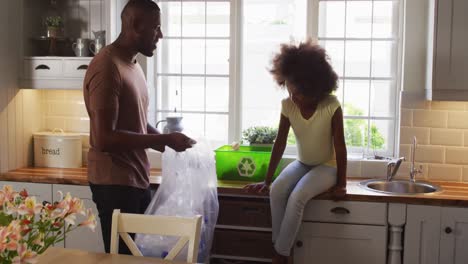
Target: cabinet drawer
{"type": "Point", "coordinates": [244, 212]}
{"type": "Point", "coordinates": [75, 68]}
{"type": "Point", "coordinates": [351, 244]}
{"type": "Point", "coordinates": [42, 68]}
{"type": "Point", "coordinates": [346, 212]}
{"type": "Point", "coordinates": [242, 243]}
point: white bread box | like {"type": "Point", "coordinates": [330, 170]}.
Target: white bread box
{"type": "Point", "coordinates": [57, 149]}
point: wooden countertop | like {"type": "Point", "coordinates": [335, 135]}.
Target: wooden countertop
{"type": "Point", "coordinates": [452, 194]}
{"type": "Point", "coordinates": [76, 176]}
{"type": "Point", "coordinates": [55, 255]}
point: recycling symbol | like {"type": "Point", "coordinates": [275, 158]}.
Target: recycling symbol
{"type": "Point", "coordinates": [246, 167]}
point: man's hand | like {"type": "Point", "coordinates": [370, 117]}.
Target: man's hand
{"type": "Point", "coordinates": [180, 142]}
{"type": "Point", "coordinates": [260, 187]}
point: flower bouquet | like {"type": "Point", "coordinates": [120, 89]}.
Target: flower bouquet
{"type": "Point", "coordinates": [28, 228]}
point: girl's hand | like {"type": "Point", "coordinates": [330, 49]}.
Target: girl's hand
{"type": "Point", "coordinates": [260, 187]}
{"type": "Point", "coordinates": [338, 192]}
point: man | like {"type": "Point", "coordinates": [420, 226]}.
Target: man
{"type": "Point", "coordinates": [116, 99]}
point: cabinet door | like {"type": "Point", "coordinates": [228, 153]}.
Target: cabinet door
{"type": "Point", "coordinates": [340, 244]}
{"type": "Point", "coordinates": [422, 236]}
{"type": "Point", "coordinates": [82, 238]}
{"type": "Point", "coordinates": [454, 236]}
{"type": "Point", "coordinates": [450, 54]}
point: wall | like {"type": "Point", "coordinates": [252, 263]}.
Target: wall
{"type": "Point", "coordinates": [18, 109]}
{"type": "Point", "coordinates": [65, 110]}
{"type": "Point", "coordinates": [441, 128]}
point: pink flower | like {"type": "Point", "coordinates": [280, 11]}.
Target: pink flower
{"type": "Point", "coordinates": [30, 207]}
{"type": "Point", "coordinates": [3, 238]}
{"type": "Point", "coordinates": [25, 255]}
{"type": "Point", "coordinates": [10, 208]}
{"type": "Point", "coordinates": [76, 207]}
{"type": "Point", "coordinates": [90, 220]}
{"type": "Point", "coordinates": [9, 193]}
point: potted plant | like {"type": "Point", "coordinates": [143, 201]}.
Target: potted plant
{"type": "Point", "coordinates": [260, 135]}
{"type": "Point", "coordinates": [28, 227]}
{"type": "Point", "coordinates": [54, 25]}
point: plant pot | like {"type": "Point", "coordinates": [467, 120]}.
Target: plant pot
{"type": "Point", "coordinates": [53, 32]}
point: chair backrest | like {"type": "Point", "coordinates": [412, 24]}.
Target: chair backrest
{"type": "Point", "coordinates": [188, 229]}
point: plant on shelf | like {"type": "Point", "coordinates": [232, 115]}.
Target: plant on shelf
{"type": "Point", "coordinates": [54, 25]}
{"type": "Point", "coordinates": [28, 228]}
{"type": "Point", "coordinates": [260, 135]}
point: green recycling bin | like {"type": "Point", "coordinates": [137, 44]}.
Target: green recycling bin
{"type": "Point", "coordinates": [248, 163]}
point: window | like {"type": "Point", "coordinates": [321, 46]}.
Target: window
{"type": "Point", "coordinates": [192, 69]}
{"type": "Point", "coordinates": [212, 64]}
{"type": "Point", "coordinates": [362, 39]}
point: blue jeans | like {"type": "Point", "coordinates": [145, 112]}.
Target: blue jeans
{"type": "Point", "coordinates": [289, 193]}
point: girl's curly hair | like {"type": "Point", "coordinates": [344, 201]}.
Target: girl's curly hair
{"type": "Point", "coordinates": [306, 67]}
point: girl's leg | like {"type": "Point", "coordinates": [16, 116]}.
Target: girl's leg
{"type": "Point", "coordinates": [316, 181]}
{"type": "Point", "coordinates": [280, 190]}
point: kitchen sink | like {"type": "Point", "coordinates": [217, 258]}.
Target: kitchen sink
{"type": "Point", "coordinates": [399, 187]}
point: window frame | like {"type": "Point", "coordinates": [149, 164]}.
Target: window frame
{"type": "Point", "coordinates": [312, 32]}
{"type": "Point", "coordinates": [312, 26]}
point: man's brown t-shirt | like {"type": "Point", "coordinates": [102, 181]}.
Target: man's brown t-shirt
{"type": "Point", "coordinates": [113, 83]}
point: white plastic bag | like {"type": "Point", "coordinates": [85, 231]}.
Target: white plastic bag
{"type": "Point", "coordinates": [188, 188]}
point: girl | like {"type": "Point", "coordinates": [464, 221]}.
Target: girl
{"type": "Point", "coordinates": [317, 121]}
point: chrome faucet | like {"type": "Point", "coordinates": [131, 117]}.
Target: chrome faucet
{"type": "Point", "coordinates": [393, 166]}
{"type": "Point", "coordinates": [413, 170]}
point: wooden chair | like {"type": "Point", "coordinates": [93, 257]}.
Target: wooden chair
{"type": "Point", "coordinates": [188, 229]}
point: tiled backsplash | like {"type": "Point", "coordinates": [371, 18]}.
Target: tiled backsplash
{"type": "Point", "coordinates": [65, 110]}
{"type": "Point", "coordinates": [441, 129]}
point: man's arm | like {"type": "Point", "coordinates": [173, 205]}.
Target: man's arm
{"type": "Point", "coordinates": [109, 139]}
{"type": "Point", "coordinates": [152, 130]}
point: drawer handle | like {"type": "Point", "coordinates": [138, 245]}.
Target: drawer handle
{"type": "Point", "coordinates": [340, 210]}
{"type": "Point", "coordinates": [299, 244]}
{"type": "Point", "coordinates": [448, 230]}
{"type": "Point", "coordinates": [82, 67]}
{"type": "Point", "coordinates": [42, 67]}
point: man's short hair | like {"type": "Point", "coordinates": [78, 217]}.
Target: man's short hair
{"type": "Point", "coordinates": [141, 5]}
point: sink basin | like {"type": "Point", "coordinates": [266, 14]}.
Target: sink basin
{"type": "Point", "coordinates": [399, 186]}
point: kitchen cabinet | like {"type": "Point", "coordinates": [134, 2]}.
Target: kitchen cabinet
{"type": "Point", "coordinates": [49, 62]}
{"type": "Point", "coordinates": [454, 236]}
{"type": "Point", "coordinates": [54, 72]}
{"type": "Point", "coordinates": [82, 238]}
{"type": "Point", "coordinates": [243, 231]}
{"type": "Point", "coordinates": [436, 235]}
{"type": "Point", "coordinates": [342, 232]}
{"type": "Point", "coordinates": [447, 53]}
